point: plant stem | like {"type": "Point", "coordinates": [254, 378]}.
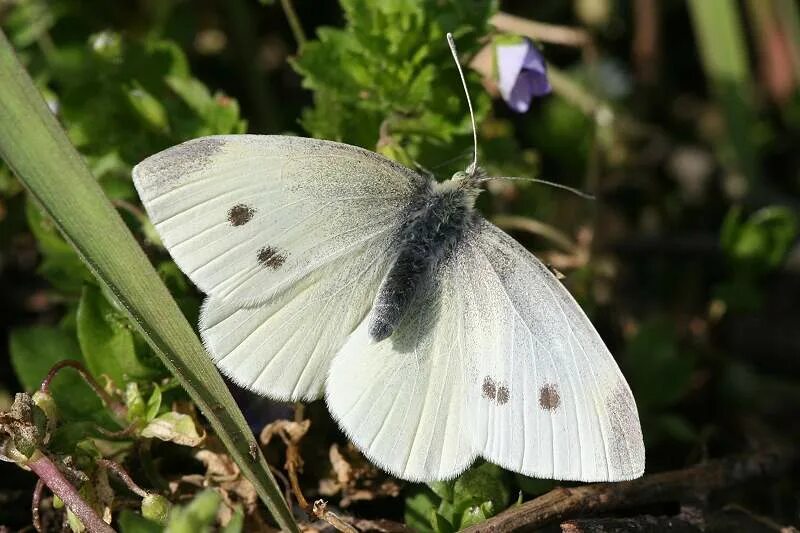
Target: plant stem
{"type": "Point", "coordinates": [38, 151]}
{"type": "Point", "coordinates": [294, 23]}
{"type": "Point", "coordinates": [49, 473]}
{"type": "Point", "coordinates": [123, 476]}
{"type": "Point", "coordinates": [118, 408]}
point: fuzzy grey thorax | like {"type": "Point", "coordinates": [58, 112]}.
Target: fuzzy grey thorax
{"type": "Point", "coordinates": [434, 225]}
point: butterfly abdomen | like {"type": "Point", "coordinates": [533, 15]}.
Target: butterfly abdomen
{"type": "Point", "coordinates": [432, 230]}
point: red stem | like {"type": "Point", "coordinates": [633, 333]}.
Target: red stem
{"type": "Point", "coordinates": [118, 408]}
{"type": "Point", "coordinates": [48, 472]}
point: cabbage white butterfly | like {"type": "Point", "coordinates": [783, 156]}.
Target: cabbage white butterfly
{"type": "Point", "coordinates": [433, 335]}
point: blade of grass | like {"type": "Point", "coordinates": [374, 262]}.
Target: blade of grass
{"type": "Point", "coordinates": [722, 43]}
{"type": "Point", "coordinates": [36, 148]}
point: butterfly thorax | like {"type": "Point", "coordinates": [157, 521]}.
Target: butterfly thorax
{"type": "Point", "coordinates": [434, 225]}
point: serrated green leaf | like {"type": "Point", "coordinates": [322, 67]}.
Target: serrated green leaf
{"type": "Point", "coordinates": [484, 483]}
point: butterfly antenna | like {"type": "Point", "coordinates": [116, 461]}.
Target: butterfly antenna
{"type": "Point", "coordinates": [471, 168]}
{"type": "Point", "coordinates": [573, 190]}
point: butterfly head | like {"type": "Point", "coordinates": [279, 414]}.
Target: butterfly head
{"type": "Point", "coordinates": [470, 179]}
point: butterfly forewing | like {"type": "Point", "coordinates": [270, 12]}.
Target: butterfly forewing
{"type": "Point", "coordinates": [288, 236]}
{"type": "Point", "coordinates": [245, 216]}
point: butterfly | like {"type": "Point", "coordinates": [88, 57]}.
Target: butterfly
{"type": "Point", "coordinates": [434, 337]}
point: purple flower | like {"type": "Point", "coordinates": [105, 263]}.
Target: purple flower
{"type": "Point", "coordinates": [522, 74]}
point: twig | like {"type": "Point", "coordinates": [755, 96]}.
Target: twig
{"type": "Point", "coordinates": [320, 510]}
{"type": "Point", "coordinates": [537, 228]}
{"type": "Point", "coordinates": [540, 31]}
{"type": "Point", "coordinates": [562, 503]}
{"type": "Point", "coordinates": [118, 408]}
{"type": "Point", "coordinates": [123, 476]}
{"type": "Point", "coordinates": [294, 23]}
{"type": "Point", "coordinates": [49, 473]}
{"type": "Point", "coordinates": [291, 433]}
{"type": "Point", "coordinates": [35, 501]}
{"type": "Point", "coordinates": [125, 205]}
{"type": "Point", "coordinates": [640, 524]}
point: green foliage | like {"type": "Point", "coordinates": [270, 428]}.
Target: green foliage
{"type": "Point", "coordinates": [109, 344]}
{"type": "Point", "coordinates": [387, 77]}
{"type": "Point", "coordinates": [34, 351]}
{"type": "Point", "coordinates": [754, 246]}
{"type": "Point", "coordinates": [761, 242]}
{"type": "Point", "coordinates": [385, 80]}
{"type": "Point", "coordinates": [473, 497]}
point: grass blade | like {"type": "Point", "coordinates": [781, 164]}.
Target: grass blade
{"type": "Point", "coordinates": [722, 42]}
{"type": "Point", "coordinates": [36, 148]}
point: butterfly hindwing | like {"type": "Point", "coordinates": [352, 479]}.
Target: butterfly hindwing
{"type": "Point", "coordinates": [497, 361]}
{"type": "Point", "coordinates": [283, 348]}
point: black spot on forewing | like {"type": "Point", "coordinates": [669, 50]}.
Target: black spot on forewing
{"type": "Point", "coordinates": [502, 395]}
{"type": "Point", "coordinates": [495, 391]}
{"type": "Point", "coordinates": [549, 398]}
{"type": "Point", "coordinates": [489, 388]}
{"type": "Point", "coordinates": [271, 257]}
{"type": "Point", "coordinates": [240, 214]}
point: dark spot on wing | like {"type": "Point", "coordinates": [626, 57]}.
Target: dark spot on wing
{"type": "Point", "coordinates": [270, 257]}
{"type": "Point", "coordinates": [548, 397]}
{"type": "Point", "coordinates": [494, 391]}
{"type": "Point", "coordinates": [240, 214]}
{"type": "Point", "coordinates": [489, 388]}
{"type": "Point", "coordinates": [502, 395]}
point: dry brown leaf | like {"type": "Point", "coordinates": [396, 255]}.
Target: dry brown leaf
{"type": "Point", "coordinates": [356, 478]}
{"type": "Point", "coordinates": [288, 430]}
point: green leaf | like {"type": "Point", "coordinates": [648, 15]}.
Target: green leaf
{"type": "Point", "coordinates": [441, 524]}
{"type": "Point", "coordinates": [134, 401]}
{"type": "Point", "coordinates": [761, 242]}
{"type": "Point", "coordinates": [484, 483]}
{"type": "Point", "coordinates": [198, 516]}
{"type": "Point", "coordinates": [418, 508]}
{"type": "Point", "coordinates": [443, 489]}
{"type": "Point", "coordinates": [111, 346]}
{"type": "Point", "coordinates": [60, 265]}
{"type": "Point", "coordinates": [34, 351]}
{"type": "Point", "coordinates": [153, 404]}
{"type": "Point", "coordinates": [148, 108]}
{"type": "Point", "coordinates": [475, 515]}
{"type": "Point", "coordinates": [720, 33]}
{"type": "Point", "coordinates": [173, 427]}
{"type": "Point", "coordinates": [131, 522]}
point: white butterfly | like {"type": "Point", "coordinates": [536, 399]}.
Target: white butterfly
{"type": "Point", "coordinates": [434, 336]}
